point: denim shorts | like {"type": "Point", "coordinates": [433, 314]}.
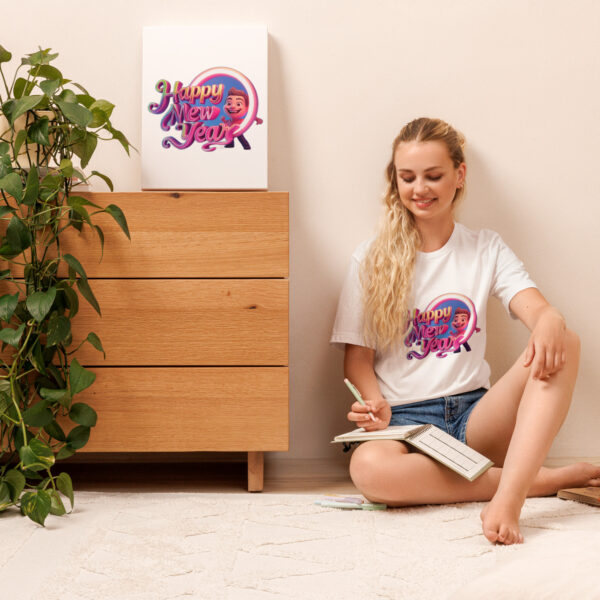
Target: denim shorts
{"type": "Point", "coordinates": [449, 413]}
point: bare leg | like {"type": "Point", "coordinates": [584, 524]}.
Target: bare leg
{"type": "Point", "coordinates": [540, 411]}
{"type": "Point", "coordinates": [514, 424]}
{"type": "Point", "coordinates": [385, 471]}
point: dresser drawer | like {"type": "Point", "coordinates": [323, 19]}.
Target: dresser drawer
{"type": "Point", "coordinates": [180, 234]}
{"type": "Point", "coordinates": [188, 409]}
{"type": "Point", "coordinates": [158, 322]}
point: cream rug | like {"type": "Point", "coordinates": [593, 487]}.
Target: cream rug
{"type": "Point", "coordinates": [125, 546]}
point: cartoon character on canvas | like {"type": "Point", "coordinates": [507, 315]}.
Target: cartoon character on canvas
{"type": "Point", "coordinates": [218, 106]}
{"type": "Point", "coordinates": [236, 107]}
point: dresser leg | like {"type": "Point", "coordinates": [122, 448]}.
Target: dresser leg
{"type": "Point", "coordinates": [255, 471]}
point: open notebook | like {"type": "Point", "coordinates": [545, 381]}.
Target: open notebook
{"type": "Point", "coordinates": [430, 440]}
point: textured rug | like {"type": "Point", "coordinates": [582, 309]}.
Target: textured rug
{"type": "Point", "coordinates": [124, 546]}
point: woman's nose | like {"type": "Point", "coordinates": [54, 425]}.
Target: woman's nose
{"type": "Point", "coordinates": [421, 187]}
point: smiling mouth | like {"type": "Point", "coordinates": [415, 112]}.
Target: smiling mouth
{"type": "Point", "coordinates": [424, 202]}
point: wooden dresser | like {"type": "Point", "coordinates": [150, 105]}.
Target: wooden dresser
{"type": "Point", "coordinates": [194, 324]}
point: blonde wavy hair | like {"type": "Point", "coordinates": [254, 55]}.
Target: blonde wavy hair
{"type": "Point", "coordinates": [388, 269]}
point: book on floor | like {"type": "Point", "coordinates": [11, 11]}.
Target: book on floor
{"type": "Point", "coordinates": [430, 440]}
{"type": "Point", "coordinates": [589, 495]}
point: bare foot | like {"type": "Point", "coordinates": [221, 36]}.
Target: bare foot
{"type": "Point", "coordinates": [579, 474]}
{"type": "Point", "coordinates": [500, 520]}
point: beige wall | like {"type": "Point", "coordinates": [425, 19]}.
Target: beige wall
{"type": "Point", "coordinates": [520, 78]}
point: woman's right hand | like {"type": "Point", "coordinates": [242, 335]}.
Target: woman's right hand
{"type": "Point", "coordinates": [381, 411]}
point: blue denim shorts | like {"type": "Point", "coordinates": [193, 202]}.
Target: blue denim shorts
{"type": "Point", "coordinates": [449, 413]}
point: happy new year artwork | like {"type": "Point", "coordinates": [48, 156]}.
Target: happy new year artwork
{"type": "Point", "coordinates": [204, 108]}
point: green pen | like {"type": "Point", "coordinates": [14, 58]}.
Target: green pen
{"type": "Point", "coordinates": [357, 395]}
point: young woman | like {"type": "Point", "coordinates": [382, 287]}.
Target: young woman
{"type": "Point", "coordinates": [411, 318]}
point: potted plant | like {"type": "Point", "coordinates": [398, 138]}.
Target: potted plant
{"type": "Point", "coordinates": [49, 129]}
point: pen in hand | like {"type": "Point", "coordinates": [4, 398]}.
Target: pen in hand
{"type": "Point", "coordinates": [357, 395]}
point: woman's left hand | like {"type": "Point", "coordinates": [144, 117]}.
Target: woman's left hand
{"type": "Point", "coordinates": [546, 350]}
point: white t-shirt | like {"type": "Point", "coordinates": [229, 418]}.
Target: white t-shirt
{"type": "Point", "coordinates": [442, 352]}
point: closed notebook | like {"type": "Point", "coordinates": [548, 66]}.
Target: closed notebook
{"type": "Point", "coordinates": [430, 440]}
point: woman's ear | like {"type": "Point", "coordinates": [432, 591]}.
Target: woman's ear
{"type": "Point", "coordinates": [462, 174]}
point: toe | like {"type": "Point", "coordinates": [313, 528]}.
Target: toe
{"type": "Point", "coordinates": [491, 535]}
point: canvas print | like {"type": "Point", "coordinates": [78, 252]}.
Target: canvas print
{"type": "Point", "coordinates": [204, 108]}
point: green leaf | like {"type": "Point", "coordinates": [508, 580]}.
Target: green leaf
{"type": "Point", "coordinates": [80, 378]}
{"type": "Point", "coordinates": [118, 135]}
{"type": "Point", "coordinates": [86, 291]}
{"type": "Point", "coordinates": [22, 105]}
{"type": "Point", "coordinates": [85, 99]}
{"type": "Point", "coordinates": [5, 210]}
{"type": "Point", "coordinates": [19, 139]}
{"type": "Point", "coordinates": [40, 303]}
{"type": "Point", "coordinates": [101, 238]}
{"type": "Point", "coordinates": [36, 455]}
{"type": "Point", "coordinates": [56, 431]}
{"type": "Point", "coordinates": [104, 105]}
{"type": "Point", "coordinates": [65, 452]}
{"type": "Point", "coordinates": [65, 485]}
{"type": "Point", "coordinates": [42, 57]}
{"type": "Point", "coordinates": [75, 113]}
{"type": "Point", "coordinates": [12, 184]}
{"type": "Point", "coordinates": [117, 214]}
{"type": "Point", "coordinates": [71, 297]}
{"type": "Point", "coordinates": [5, 499]}
{"type": "Point", "coordinates": [17, 235]}
{"type": "Point", "coordinates": [54, 395]}
{"type": "Point", "coordinates": [49, 86]}
{"type": "Point", "coordinates": [8, 304]}
{"type": "Point", "coordinates": [83, 414]}
{"type": "Point", "coordinates": [94, 340]}
{"type": "Point", "coordinates": [36, 357]}
{"type": "Point", "coordinates": [75, 265]}
{"type": "Point", "coordinates": [12, 336]}
{"type": "Point", "coordinates": [68, 96]}
{"type": "Point", "coordinates": [56, 507]}
{"type": "Point", "coordinates": [4, 147]}
{"type": "Point", "coordinates": [85, 148]}
{"type": "Point", "coordinates": [38, 132]}
{"type": "Point", "coordinates": [16, 483]}
{"type": "Point", "coordinates": [23, 87]}
{"type": "Point", "coordinates": [98, 118]}
{"type": "Point", "coordinates": [32, 188]}
{"type": "Point", "coordinates": [39, 415]}
{"type": "Point", "coordinates": [36, 505]}
{"type": "Point", "coordinates": [66, 167]}
{"type": "Point", "coordinates": [5, 55]}
{"type": "Point", "coordinates": [47, 72]}
{"type": "Point", "coordinates": [59, 328]}
{"type": "Point", "coordinates": [78, 437]}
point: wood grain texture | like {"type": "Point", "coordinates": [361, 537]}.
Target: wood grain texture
{"type": "Point", "coordinates": [187, 234]}
{"type": "Point", "coordinates": [256, 471]}
{"type": "Point", "coordinates": [186, 322]}
{"type": "Point", "coordinates": [188, 409]}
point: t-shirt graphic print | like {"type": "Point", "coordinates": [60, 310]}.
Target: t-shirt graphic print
{"type": "Point", "coordinates": [443, 327]}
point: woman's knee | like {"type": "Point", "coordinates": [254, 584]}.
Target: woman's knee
{"type": "Point", "coordinates": [370, 460]}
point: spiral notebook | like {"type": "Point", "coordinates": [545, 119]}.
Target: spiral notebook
{"type": "Point", "coordinates": [430, 440]}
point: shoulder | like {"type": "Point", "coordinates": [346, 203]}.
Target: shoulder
{"type": "Point", "coordinates": [361, 251]}
{"type": "Point", "coordinates": [479, 240]}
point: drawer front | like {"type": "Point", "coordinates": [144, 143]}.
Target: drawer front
{"type": "Point", "coordinates": [186, 322]}
{"type": "Point", "coordinates": [188, 235]}
{"type": "Point", "coordinates": [188, 409]}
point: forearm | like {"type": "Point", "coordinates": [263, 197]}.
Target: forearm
{"type": "Point", "coordinates": [358, 368]}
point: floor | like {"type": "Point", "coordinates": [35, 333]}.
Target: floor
{"type": "Point", "coordinates": [127, 475]}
